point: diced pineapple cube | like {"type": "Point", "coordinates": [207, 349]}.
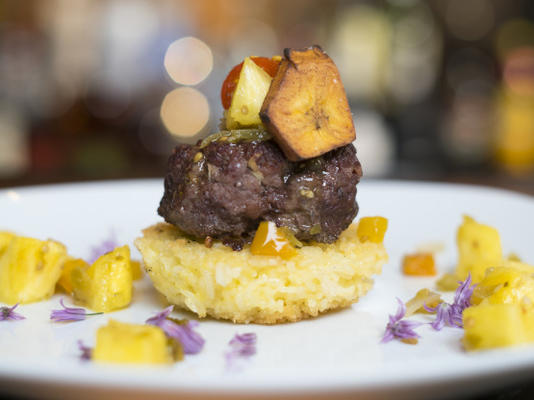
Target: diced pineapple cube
{"type": "Point", "coordinates": [251, 89]}
{"type": "Point", "coordinates": [490, 326]}
{"type": "Point", "coordinates": [479, 247]}
{"type": "Point", "coordinates": [506, 285]}
{"type": "Point", "coordinates": [5, 239]}
{"type": "Point", "coordinates": [65, 280]}
{"type": "Point", "coordinates": [29, 269]}
{"type": "Point", "coordinates": [107, 284]}
{"type": "Point", "coordinates": [120, 342]}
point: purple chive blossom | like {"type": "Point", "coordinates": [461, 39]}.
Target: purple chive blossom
{"type": "Point", "coordinates": [86, 352]}
{"type": "Point", "coordinates": [102, 248]}
{"type": "Point", "coordinates": [69, 314]}
{"type": "Point", "coordinates": [241, 347]}
{"type": "Point", "coordinates": [190, 340]}
{"type": "Point", "coordinates": [451, 314]}
{"type": "Point", "coordinates": [9, 314]}
{"type": "Point", "coordinates": [397, 328]}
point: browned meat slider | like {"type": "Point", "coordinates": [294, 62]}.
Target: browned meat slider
{"type": "Point", "coordinates": [225, 190]}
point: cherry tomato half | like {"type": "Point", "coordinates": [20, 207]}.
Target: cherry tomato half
{"type": "Point", "coordinates": [228, 87]}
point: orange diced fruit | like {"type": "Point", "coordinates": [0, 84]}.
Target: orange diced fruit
{"type": "Point", "coordinates": [372, 229]}
{"type": "Point", "coordinates": [269, 240]}
{"type": "Point", "coordinates": [419, 264]}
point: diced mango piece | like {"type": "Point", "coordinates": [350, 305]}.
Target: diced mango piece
{"type": "Point", "coordinates": [29, 268]}
{"type": "Point", "coordinates": [490, 326]}
{"type": "Point", "coordinates": [251, 89]}
{"type": "Point", "coordinates": [479, 247]}
{"type": "Point", "coordinates": [269, 240]}
{"type": "Point", "coordinates": [107, 284]}
{"type": "Point", "coordinates": [65, 280]}
{"type": "Point", "coordinates": [120, 342]}
{"type": "Point", "coordinates": [137, 270]}
{"type": "Point", "coordinates": [419, 264]}
{"type": "Point", "coordinates": [372, 229]}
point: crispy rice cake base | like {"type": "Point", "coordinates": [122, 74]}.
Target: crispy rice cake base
{"type": "Point", "coordinates": [247, 288]}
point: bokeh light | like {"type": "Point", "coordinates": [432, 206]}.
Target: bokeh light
{"type": "Point", "coordinates": [470, 20]}
{"type": "Point", "coordinates": [415, 55]}
{"type": "Point", "coordinates": [252, 37]}
{"type": "Point", "coordinates": [360, 46]}
{"type": "Point", "coordinates": [519, 71]}
{"type": "Point", "coordinates": [185, 111]}
{"type": "Point", "coordinates": [188, 61]}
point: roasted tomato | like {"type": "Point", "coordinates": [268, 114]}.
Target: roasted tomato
{"type": "Point", "coordinates": [269, 65]}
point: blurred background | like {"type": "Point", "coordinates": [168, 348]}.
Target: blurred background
{"type": "Point", "coordinates": [102, 89]}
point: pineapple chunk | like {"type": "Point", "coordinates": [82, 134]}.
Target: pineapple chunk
{"type": "Point", "coordinates": [5, 239]}
{"type": "Point", "coordinates": [107, 284]}
{"type": "Point", "coordinates": [479, 247]}
{"type": "Point", "coordinates": [65, 280]}
{"type": "Point", "coordinates": [29, 268]}
{"type": "Point", "coordinates": [248, 97]}
{"type": "Point", "coordinates": [509, 284]}
{"type": "Point", "coordinates": [488, 326]}
{"type": "Point", "coordinates": [119, 342]}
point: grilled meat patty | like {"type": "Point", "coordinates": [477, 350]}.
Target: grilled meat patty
{"type": "Point", "coordinates": [224, 190]}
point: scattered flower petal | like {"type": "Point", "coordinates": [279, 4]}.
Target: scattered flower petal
{"type": "Point", "coordinates": [69, 314]}
{"type": "Point", "coordinates": [397, 328]}
{"type": "Point", "coordinates": [191, 341]}
{"type": "Point", "coordinates": [241, 347]}
{"type": "Point", "coordinates": [9, 314]}
{"type": "Point", "coordinates": [160, 317]}
{"type": "Point", "coordinates": [451, 314]}
{"type": "Point", "coordinates": [86, 351]}
{"type": "Point", "coordinates": [104, 247]}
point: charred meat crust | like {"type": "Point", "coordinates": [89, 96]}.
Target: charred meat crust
{"type": "Point", "coordinates": [225, 192]}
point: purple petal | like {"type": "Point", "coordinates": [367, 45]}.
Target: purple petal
{"type": "Point", "coordinates": [9, 314]}
{"type": "Point", "coordinates": [69, 313]}
{"type": "Point", "coordinates": [439, 322]}
{"type": "Point", "coordinates": [65, 316]}
{"type": "Point", "coordinates": [451, 314]}
{"type": "Point", "coordinates": [388, 336]}
{"type": "Point", "coordinates": [462, 296]}
{"type": "Point", "coordinates": [401, 311]}
{"type": "Point", "coordinates": [398, 328]}
{"type": "Point", "coordinates": [86, 352]}
{"type": "Point", "coordinates": [241, 347]}
{"type": "Point", "coordinates": [159, 317]}
{"type": "Point", "coordinates": [102, 248]}
{"type": "Point", "coordinates": [244, 339]}
{"type": "Point", "coordinates": [191, 341]}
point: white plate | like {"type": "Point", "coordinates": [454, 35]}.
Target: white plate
{"type": "Point", "coordinates": [335, 354]}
